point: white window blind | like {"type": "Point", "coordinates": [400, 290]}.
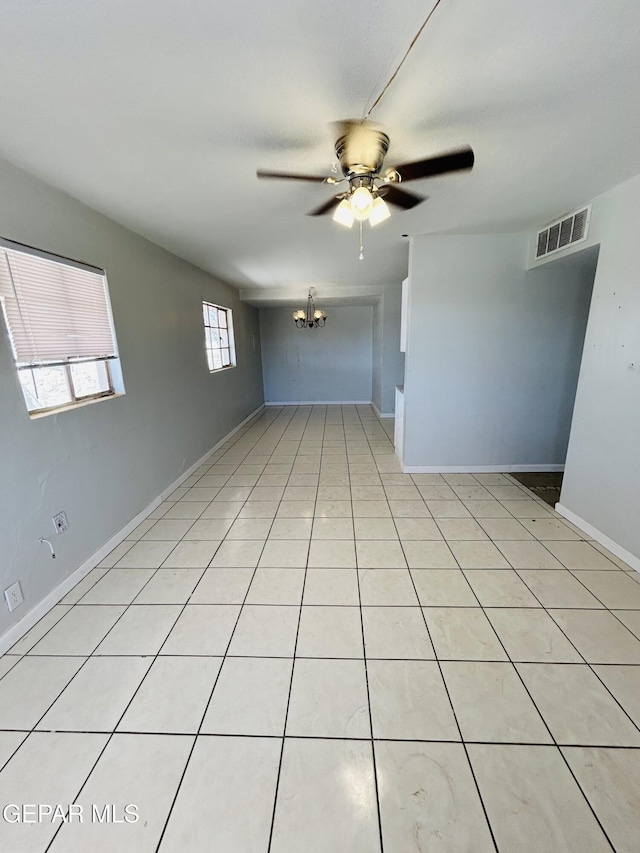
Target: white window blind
{"type": "Point", "coordinates": [55, 311]}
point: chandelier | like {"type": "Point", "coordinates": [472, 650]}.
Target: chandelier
{"type": "Point", "coordinates": [312, 318]}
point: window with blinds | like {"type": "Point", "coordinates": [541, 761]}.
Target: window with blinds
{"type": "Point", "coordinates": [58, 316]}
{"type": "Point", "coordinates": [218, 336]}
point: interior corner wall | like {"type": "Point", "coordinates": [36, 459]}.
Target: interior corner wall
{"type": "Point", "coordinates": [332, 364]}
{"type": "Point", "coordinates": [602, 473]}
{"type": "Point", "coordinates": [104, 463]}
{"type": "Point", "coordinates": [490, 352]}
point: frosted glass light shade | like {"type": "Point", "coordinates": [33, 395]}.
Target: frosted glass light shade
{"type": "Point", "coordinates": [361, 203]}
{"type": "Point", "coordinates": [380, 211]}
{"type": "Point", "coordinates": [343, 214]}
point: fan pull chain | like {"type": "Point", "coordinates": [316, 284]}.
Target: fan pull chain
{"type": "Point", "coordinates": [361, 255]}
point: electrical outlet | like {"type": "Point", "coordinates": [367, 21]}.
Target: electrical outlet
{"type": "Point", "coordinates": [60, 523]}
{"type": "Point", "coordinates": [13, 596]}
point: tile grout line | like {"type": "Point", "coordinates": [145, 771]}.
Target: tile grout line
{"type": "Point", "coordinates": [585, 661]}
{"type": "Point", "coordinates": [109, 735]}
{"type": "Point", "coordinates": [604, 606]}
{"type": "Point", "coordinates": [545, 609]}
{"type": "Point", "coordinates": [361, 739]}
{"type": "Point", "coordinates": [286, 713]}
{"type": "Point", "coordinates": [80, 668]}
{"type": "Point", "coordinates": [366, 674]}
{"type": "Point", "coordinates": [546, 725]}
{"type": "Point", "coordinates": [514, 667]}
{"type": "Point", "coordinates": [527, 607]}
{"type": "Point", "coordinates": [372, 657]}
{"type": "Point", "coordinates": [206, 708]}
{"type": "Point", "coordinates": [113, 732]}
{"type": "Point", "coordinates": [453, 711]}
{"type": "Point", "coordinates": [367, 436]}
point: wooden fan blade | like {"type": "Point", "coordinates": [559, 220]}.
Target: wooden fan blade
{"type": "Point", "coordinates": [328, 206]}
{"type": "Point", "coordinates": [454, 161]}
{"type": "Point", "coordinates": [401, 198]}
{"type": "Point", "coordinates": [285, 176]}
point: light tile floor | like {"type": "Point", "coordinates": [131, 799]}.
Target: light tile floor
{"type": "Point", "coordinates": [304, 649]}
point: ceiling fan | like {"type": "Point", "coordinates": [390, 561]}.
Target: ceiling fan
{"type": "Point", "coordinates": [361, 149]}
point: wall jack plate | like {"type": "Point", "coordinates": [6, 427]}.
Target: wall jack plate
{"type": "Point", "coordinates": [13, 596]}
{"type": "Point", "coordinates": [60, 523]}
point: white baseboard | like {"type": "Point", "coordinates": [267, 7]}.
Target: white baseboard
{"type": "Point", "coordinates": [629, 558]}
{"type": "Point", "coordinates": [15, 632]}
{"type": "Point", "coordinates": [380, 414]}
{"type": "Point", "coordinates": [177, 483]}
{"type": "Point", "coordinates": [321, 403]}
{"type": "Point", "coordinates": [525, 469]}
{"type": "Point", "coordinates": [478, 469]}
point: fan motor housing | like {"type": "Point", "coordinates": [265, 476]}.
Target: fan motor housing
{"type": "Point", "coordinates": [362, 151]}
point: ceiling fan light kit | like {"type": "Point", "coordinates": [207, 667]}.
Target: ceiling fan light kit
{"type": "Point", "coordinates": [379, 212]}
{"type": "Point", "coordinates": [361, 150]}
{"type": "Point", "coordinates": [361, 203]}
{"type": "Point", "coordinates": [343, 214]}
{"type": "Point", "coordinates": [312, 318]}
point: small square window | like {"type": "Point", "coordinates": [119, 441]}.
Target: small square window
{"type": "Point", "coordinates": [218, 336]}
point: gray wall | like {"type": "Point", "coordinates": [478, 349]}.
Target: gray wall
{"type": "Point", "coordinates": [332, 364]}
{"type": "Point", "coordinates": [103, 463]}
{"type": "Point", "coordinates": [602, 476]}
{"type": "Point", "coordinates": [493, 353]}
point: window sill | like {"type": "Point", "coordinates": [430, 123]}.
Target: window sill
{"type": "Point", "coordinates": [70, 406]}
{"type": "Point", "coordinates": [222, 369]}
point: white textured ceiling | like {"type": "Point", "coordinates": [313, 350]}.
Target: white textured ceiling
{"type": "Point", "coordinates": [158, 112]}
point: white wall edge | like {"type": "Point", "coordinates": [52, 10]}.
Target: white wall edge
{"type": "Point", "coordinates": [478, 469]}
{"type": "Point", "coordinates": [321, 403]}
{"type": "Point", "coordinates": [600, 537]}
{"type": "Point", "coordinates": [15, 632]}
{"type": "Point", "coordinates": [380, 414]}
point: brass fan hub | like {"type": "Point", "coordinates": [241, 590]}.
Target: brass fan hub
{"type": "Point", "coordinates": [361, 151]}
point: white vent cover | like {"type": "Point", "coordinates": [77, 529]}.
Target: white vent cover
{"type": "Point", "coordinates": [565, 232]}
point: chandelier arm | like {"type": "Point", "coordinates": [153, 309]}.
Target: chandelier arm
{"type": "Point", "coordinates": [309, 319]}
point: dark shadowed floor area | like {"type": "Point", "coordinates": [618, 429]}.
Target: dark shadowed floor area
{"type": "Point", "coordinates": [546, 484]}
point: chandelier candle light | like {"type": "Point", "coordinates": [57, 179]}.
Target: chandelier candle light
{"type": "Point", "coordinates": [312, 318]}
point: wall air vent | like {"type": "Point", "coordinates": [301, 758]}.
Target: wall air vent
{"type": "Point", "coordinates": [565, 232]}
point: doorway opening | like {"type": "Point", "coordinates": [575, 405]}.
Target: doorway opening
{"type": "Point", "coordinates": [577, 273]}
